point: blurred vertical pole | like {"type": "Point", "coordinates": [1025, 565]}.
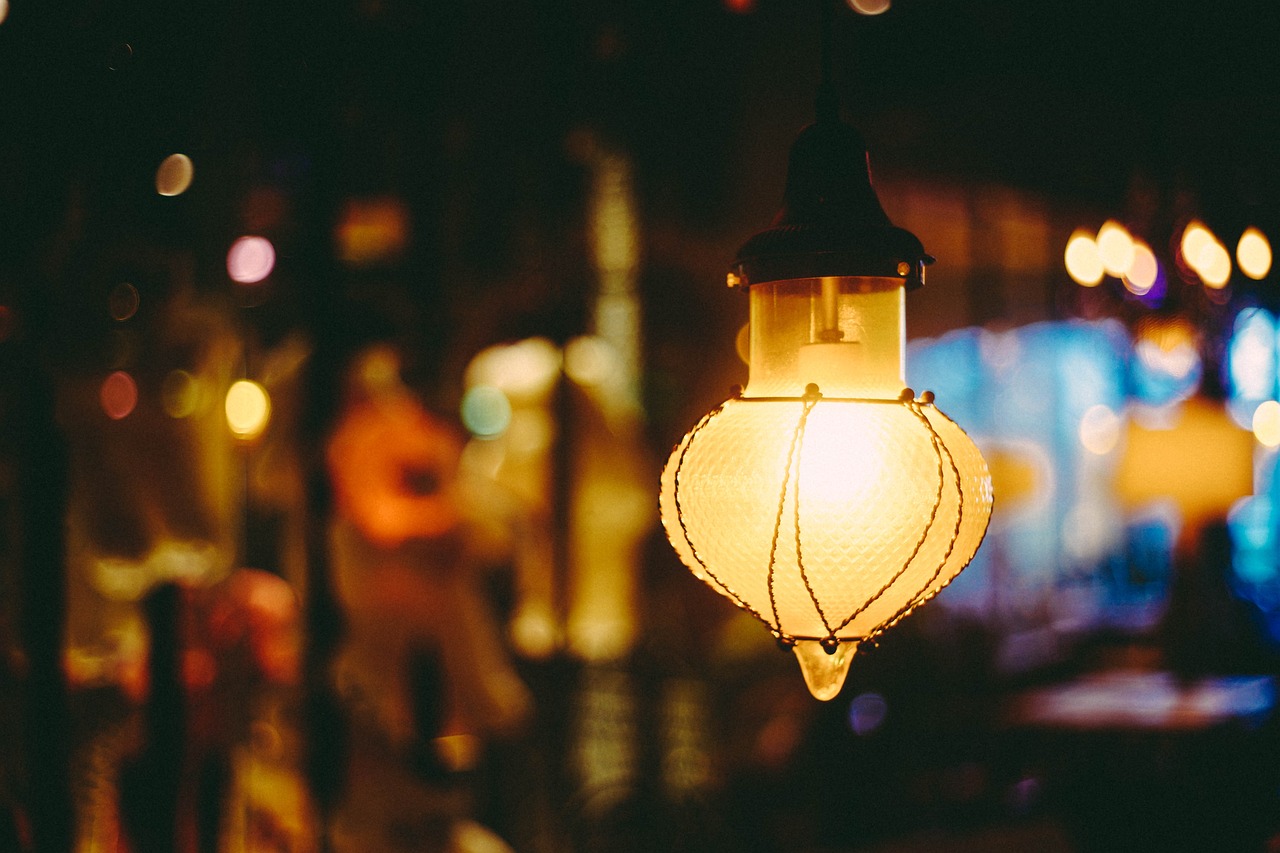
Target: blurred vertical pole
{"type": "Point", "coordinates": [39, 69]}
{"type": "Point", "coordinates": [41, 457]}
{"type": "Point", "coordinates": [154, 793]}
{"type": "Point", "coordinates": [324, 726]}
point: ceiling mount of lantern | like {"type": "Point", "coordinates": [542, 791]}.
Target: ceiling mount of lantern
{"type": "Point", "coordinates": [825, 498]}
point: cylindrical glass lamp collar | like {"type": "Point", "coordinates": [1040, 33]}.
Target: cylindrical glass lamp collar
{"type": "Point", "coordinates": [844, 334]}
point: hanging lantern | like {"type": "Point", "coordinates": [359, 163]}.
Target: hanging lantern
{"type": "Point", "coordinates": [825, 498]}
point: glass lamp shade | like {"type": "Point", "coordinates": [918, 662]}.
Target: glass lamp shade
{"type": "Point", "coordinates": [824, 499]}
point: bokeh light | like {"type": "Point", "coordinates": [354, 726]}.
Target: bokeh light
{"type": "Point", "coordinates": [248, 408]}
{"type": "Point", "coordinates": [1253, 254]}
{"type": "Point", "coordinates": [1266, 423]}
{"type": "Point", "coordinates": [486, 411]}
{"type": "Point", "coordinates": [1214, 265]}
{"type": "Point", "coordinates": [174, 175]}
{"type": "Point", "coordinates": [118, 395]}
{"type": "Point", "coordinates": [589, 360]}
{"type": "Point", "coordinates": [1100, 430]}
{"type": "Point", "coordinates": [867, 712]}
{"type": "Point", "coordinates": [1254, 555]}
{"type": "Point", "coordinates": [1251, 363]}
{"type": "Point", "coordinates": [1166, 367]}
{"type": "Point", "coordinates": [1144, 270]}
{"type": "Point", "coordinates": [4, 10]}
{"type": "Point", "coordinates": [1194, 237]}
{"type": "Point", "coordinates": [120, 56]}
{"type": "Point", "coordinates": [1083, 264]}
{"type": "Point", "coordinates": [123, 302]}
{"type": "Point", "coordinates": [525, 370]}
{"type": "Point", "coordinates": [180, 394]}
{"type": "Point", "coordinates": [870, 7]}
{"type": "Point", "coordinates": [250, 259]}
{"type": "Point", "coordinates": [1115, 248]}
{"type": "Point", "coordinates": [372, 230]}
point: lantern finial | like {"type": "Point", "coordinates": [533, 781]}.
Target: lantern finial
{"type": "Point", "coordinates": [824, 672]}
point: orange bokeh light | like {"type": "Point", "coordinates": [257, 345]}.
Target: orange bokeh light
{"type": "Point", "coordinates": [118, 395]}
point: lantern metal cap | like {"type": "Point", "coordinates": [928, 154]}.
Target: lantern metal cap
{"type": "Point", "coordinates": [831, 222]}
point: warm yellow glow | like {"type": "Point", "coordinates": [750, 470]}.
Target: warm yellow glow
{"type": "Point", "coordinates": [1196, 458]}
{"type": "Point", "coordinates": [843, 334]}
{"type": "Point", "coordinates": [742, 344]}
{"type": "Point", "coordinates": [1115, 248]}
{"type": "Point", "coordinates": [248, 409]}
{"type": "Point", "coordinates": [1100, 430]}
{"type": "Point", "coordinates": [458, 752]}
{"type": "Point", "coordinates": [525, 370]}
{"type": "Point", "coordinates": [1214, 265]}
{"type": "Point", "coordinates": [372, 230]}
{"type": "Point", "coordinates": [1083, 264]}
{"type": "Point", "coordinates": [870, 7]}
{"type": "Point", "coordinates": [534, 632]}
{"type": "Point", "coordinates": [1266, 424]}
{"type": "Point", "coordinates": [824, 500]}
{"type": "Point", "coordinates": [4, 10]}
{"type": "Point", "coordinates": [174, 175]}
{"type": "Point", "coordinates": [864, 505]}
{"type": "Point", "coordinates": [180, 394]}
{"type": "Point", "coordinates": [1144, 270]}
{"type": "Point", "coordinates": [1253, 254]}
{"type": "Point", "coordinates": [590, 360]}
{"type": "Point", "coordinates": [1195, 237]}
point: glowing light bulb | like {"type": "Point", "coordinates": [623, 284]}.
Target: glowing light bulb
{"type": "Point", "coordinates": [248, 408]}
{"type": "Point", "coordinates": [1115, 248]}
{"type": "Point", "coordinates": [1266, 423]}
{"type": "Point", "coordinates": [1083, 263]}
{"type": "Point", "coordinates": [1253, 254]}
{"type": "Point", "coordinates": [250, 259]}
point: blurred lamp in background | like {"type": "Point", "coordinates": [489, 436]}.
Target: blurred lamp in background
{"type": "Point", "coordinates": [824, 498]}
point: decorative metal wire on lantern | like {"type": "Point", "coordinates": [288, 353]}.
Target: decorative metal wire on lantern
{"type": "Point", "coordinates": [825, 498]}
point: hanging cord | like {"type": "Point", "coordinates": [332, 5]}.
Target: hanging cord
{"type": "Point", "coordinates": [827, 104]}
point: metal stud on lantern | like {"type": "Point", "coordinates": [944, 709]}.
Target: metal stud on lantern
{"type": "Point", "coordinates": [825, 498]}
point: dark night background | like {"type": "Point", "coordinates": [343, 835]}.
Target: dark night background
{"type": "Point", "coordinates": [476, 116]}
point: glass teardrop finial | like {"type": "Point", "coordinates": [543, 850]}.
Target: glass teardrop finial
{"type": "Point", "coordinates": [824, 673]}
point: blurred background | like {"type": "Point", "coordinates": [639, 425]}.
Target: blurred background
{"type": "Point", "coordinates": [342, 344]}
